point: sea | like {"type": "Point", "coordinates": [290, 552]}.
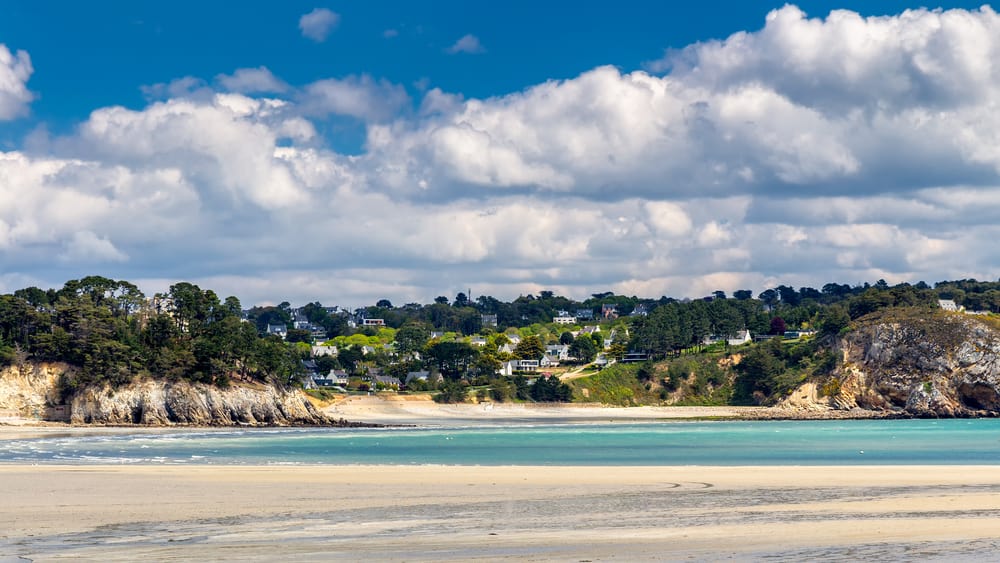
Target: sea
{"type": "Point", "coordinates": [725, 443]}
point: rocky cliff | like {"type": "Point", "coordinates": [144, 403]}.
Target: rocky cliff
{"type": "Point", "coordinates": [32, 390]}
{"type": "Point", "coordinates": [916, 363]}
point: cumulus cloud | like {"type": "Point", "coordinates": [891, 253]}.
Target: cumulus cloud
{"type": "Point", "coordinates": [839, 149]}
{"type": "Point", "coordinates": [466, 44]}
{"type": "Point", "coordinates": [15, 69]}
{"type": "Point", "coordinates": [318, 24]}
{"type": "Point", "coordinates": [85, 246]}
{"type": "Point", "coordinates": [362, 97]}
{"type": "Point", "coordinates": [252, 81]}
{"type": "Point", "coordinates": [184, 87]}
{"type": "Point", "coordinates": [919, 58]}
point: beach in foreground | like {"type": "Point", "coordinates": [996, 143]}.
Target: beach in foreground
{"type": "Point", "coordinates": [228, 513]}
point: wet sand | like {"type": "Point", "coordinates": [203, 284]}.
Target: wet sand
{"type": "Point", "coordinates": [227, 513]}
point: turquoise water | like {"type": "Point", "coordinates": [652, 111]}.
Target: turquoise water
{"type": "Point", "coordinates": [850, 442]}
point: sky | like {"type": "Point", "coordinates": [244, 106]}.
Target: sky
{"type": "Point", "coordinates": [345, 152]}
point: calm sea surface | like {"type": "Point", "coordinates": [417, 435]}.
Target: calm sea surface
{"type": "Point", "coordinates": [851, 442]}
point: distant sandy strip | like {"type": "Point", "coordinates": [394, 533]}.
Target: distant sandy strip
{"type": "Point", "coordinates": [396, 513]}
{"type": "Point", "coordinates": [420, 410]}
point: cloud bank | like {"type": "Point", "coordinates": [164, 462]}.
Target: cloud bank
{"type": "Point", "coordinates": [812, 150]}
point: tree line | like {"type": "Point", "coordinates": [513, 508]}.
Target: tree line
{"type": "Point", "coordinates": [112, 334]}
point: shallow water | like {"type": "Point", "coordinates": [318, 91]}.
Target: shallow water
{"type": "Point", "coordinates": [842, 442]}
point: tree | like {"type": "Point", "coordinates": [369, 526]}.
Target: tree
{"type": "Point", "coordinates": [441, 299]}
{"type": "Point", "coordinates": [298, 335]}
{"type": "Point", "coordinates": [452, 358]}
{"type": "Point", "coordinates": [583, 349]}
{"type": "Point", "coordinates": [452, 392]}
{"type": "Point", "coordinates": [761, 366]}
{"type": "Point", "coordinates": [487, 365]}
{"type": "Point", "coordinates": [530, 348]}
{"type": "Point", "coordinates": [350, 357]}
{"type": "Point", "coordinates": [566, 338]}
{"type": "Point", "coordinates": [412, 337]}
{"type": "Point", "coordinates": [501, 389]}
{"type": "Point", "coordinates": [770, 297]}
{"type": "Point", "coordinates": [384, 304]}
{"type": "Point", "coordinates": [550, 389]}
{"type": "Point", "coordinates": [617, 351]}
{"type": "Point", "coordinates": [743, 294]}
{"type": "Point", "coordinates": [788, 295]}
{"type": "Point", "coordinates": [598, 340]}
{"type": "Point", "coordinates": [521, 388]}
{"type": "Point", "coordinates": [461, 300]}
{"type": "Point", "coordinates": [833, 320]}
{"type": "Point", "coordinates": [777, 326]}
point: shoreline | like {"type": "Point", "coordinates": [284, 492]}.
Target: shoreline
{"type": "Point", "coordinates": [378, 512]}
{"type": "Point", "coordinates": [421, 410]}
{"type": "Point", "coordinates": [387, 411]}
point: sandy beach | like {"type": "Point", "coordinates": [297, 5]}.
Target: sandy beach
{"type": "Point", "coordinates": [517, 513]}
{"type": "Point", "coordinates": [462, 513]}
{"type": "Point", "coordinates": [421, 410]}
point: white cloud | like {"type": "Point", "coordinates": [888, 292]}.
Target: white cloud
{"type": "Point", "coordinates": [439, 102]}
{"type": "Point", "coordinates": [919, 58]}
{"type": "Point", "coordinates": [184, 87]}
{"type": "Point", "coordinates": [466, 44]}
{"type": "Point", "coordinates": [361, 97]}
{"type": "Point", "coordinates": [15, 69]}
{"type": "Point", "coordinates": [87, 247]}
{"type": "Point", "coordinates": [252, 81]}
{"type": "Point", "coordinates": [318, 24]}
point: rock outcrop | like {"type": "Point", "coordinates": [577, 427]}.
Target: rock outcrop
{"type": "Point", "coordinates": [158, 402]}
{"type": "Point", "coordinates": [923, 364]}
{"type": "Point", "coordinates": [32, 392]}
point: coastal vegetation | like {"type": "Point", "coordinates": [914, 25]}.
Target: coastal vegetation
{"type": "Point", "coordinates": [608, 348]}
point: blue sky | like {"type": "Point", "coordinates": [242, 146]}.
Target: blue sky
{"type": "Point", "coordinates": [428, 147]}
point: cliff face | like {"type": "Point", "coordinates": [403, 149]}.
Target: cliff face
{"type": "Point", "coordinates": [931, 364]}
{"type": "Point", "coordinates": [30, 390]}
{"type": "Point", "coordinates": [159, 403]}
{"type": "Point", "coordinates": [27, 392]}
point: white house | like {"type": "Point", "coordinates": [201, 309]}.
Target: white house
{"type": "Point", "coordinates": [323, 350]}
{"type": "Point", "coordinates": [527, 365]}
{"type": "Point", "coordinates": [742, 337]}
{"type": "Point", "coordinates": [548, 361]}
{"type": "Point", "coordinates": [564, 320]}
{"type": "Point", "coordinates": [949, 305]}
{"type": "Point", "coordinates": [558, 351]}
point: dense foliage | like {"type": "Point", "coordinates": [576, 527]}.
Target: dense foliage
{"type": "Point", "coordinates": [111, 332]}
